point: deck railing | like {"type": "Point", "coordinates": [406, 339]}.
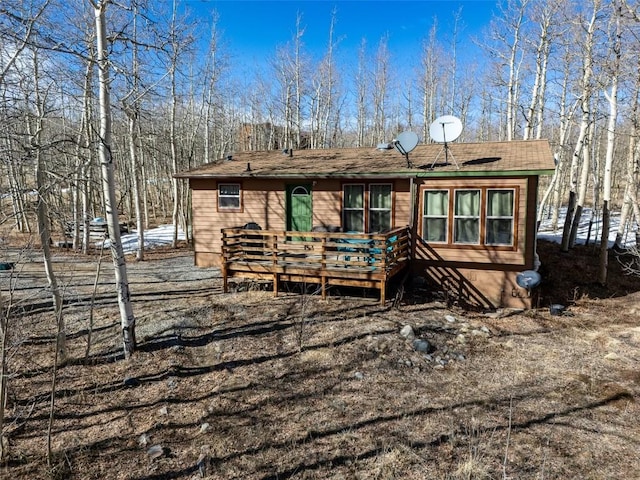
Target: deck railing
{"type": "Point", "coordinates": [355, 259]}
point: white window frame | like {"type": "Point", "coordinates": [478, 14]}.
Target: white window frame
{"type": "Point", "coordinates": [477, 217]}
{"type": "Point", "coordinates": [362, 209]}
{"type": "Point", "coordinates": [445, 216]}
{"type": "Point", "coordinates": [372, 209]}
{"type": "Point", "coordinates": [227, 196]}
{"type": "Point", "coordinates": [511, 217]}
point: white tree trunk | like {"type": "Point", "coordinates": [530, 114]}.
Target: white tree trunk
{"type": "Point", "coordinates": [4, 335]}
{"type": "Point", "coordinates": [428, 80]}
{"type": "Point", "coordinates": [585, 100]}
{"type": "Point", "coordinates": [630, 207]}
{"type": "Point", "coordinates": [514, 68]}
{"type": "Point", "coordinates": [133, 113]}
{"type": "Point", "coordinates": [362, 93]}
{"type": "Point", "coordinates": [127, 319]}
{"type": "Point", "coordinates": [298, 74]}
{"type": "Point", "coordinates": [612, 97]}
{"type": "Point", "coordinates": [172, 129]}
{"type": "Point", "coordinates": [583, 183]}
{"type": "Point", "coordinates": [44, 231]}
{"type": "Point", "coordinates": [534, 112]}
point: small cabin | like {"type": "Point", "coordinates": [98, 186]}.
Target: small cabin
{"type": "Point", "coordinates": [463, 217]}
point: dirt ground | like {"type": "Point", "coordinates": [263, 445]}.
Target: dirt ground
{"type": "Point", "coordinates": [248, 386]}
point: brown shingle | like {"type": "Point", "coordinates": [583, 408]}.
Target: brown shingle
{"type": "Point", "coordinates": [533, 156]}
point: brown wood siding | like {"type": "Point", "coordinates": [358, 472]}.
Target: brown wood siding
{"type": "Point", "coordinates": [476, 288]}
{"type": "Point", "coordinates": [264, 202]}
{"type": "Point", "coordinates": [204, 206]}
{"type": "Point", "coordinates": [478, 253]}
{"type": "Point", "coordinates": [401, 203]}
{"type": "Point", "coordinates": [327, 203]}
{"type": "Point", "coordinates": [260, 204]}
{"type": "Point", "coordinates": [531, 229]}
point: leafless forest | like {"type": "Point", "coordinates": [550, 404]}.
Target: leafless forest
{"type": "Point", "coordinates": [101, 102]}
{"type": "Point", "coordinates": [566, 71]}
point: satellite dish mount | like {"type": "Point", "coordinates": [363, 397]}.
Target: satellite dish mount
{"type": "Point", "coordinates": [445, 129]}
{"type": "Point", "coordinates": [405, 143]}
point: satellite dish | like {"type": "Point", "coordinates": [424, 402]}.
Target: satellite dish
{"type": "Point", "coordinates": [528, 279]}
{"type": "Point", "coordinates": [405, 143]}
{"type": "Point", "coordinates": [444, 129]}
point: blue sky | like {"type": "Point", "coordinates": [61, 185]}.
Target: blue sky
{"type": "Point", "coordinates": [252, 30]}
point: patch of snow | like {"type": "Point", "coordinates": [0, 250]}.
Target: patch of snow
{"type": "Point", "coordinates": [588, 217]}
{"type": "Point", "coordinates": [154, 237]}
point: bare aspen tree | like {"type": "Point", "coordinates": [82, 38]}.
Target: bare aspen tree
{"type": "Point", "coordinates": [544, 16]}
{"type": "Point", "coordinates": [362, 92]}
{"type": "Point", "coordinates": [485, 132]}
{"type": "Point", "coordinates": [515, 16]}
{"type": "Point", "coordinates": [285, 100]}
{"type": "Point", "coordinates": [407, 96]}
{"type": "Point", "coordinates": [298, 75]}
{"type": "Point", "coordinates": [83, 165]}
{"type": "Point", "coordinates": [567, 113]}
{"type": "Point", "coordinates": [324, 94]}
{"type": "Point", "coordinates": [15, 176]}
{"type": "Point", "coordinates": [585, 100]}
{"type": "Point", "coordinates": [453, 66]}
{"type": "Point", "coordinates": [127, 318]}
{"type": "Point", "coordinates": [35, 129]}
{"type": "Point", "coordinates": [331, 112]}
{"type": "Point", "coordinates": [290, 67]}
{"type": "Point", "coordinates": [380, 91]}
{"type": "Point", "coordinates": [586, 168]}
{"type": "Point", "coordinates": [612, 98]}
{"type": "Point", "coordinates": [212, 77]}
{"type": "Point", "coordinates": [428, 79]}
{"type": "Point", "coordinates": [132, 109]}
{"type": "Point", "coordinates": [20, 36]}
{"type": "Point", "coordinates": [506, 34]}
{"type": "Point", "coordinates": [630, 206]}
{"type": "Point", "coordinates": [17, 32]}
{"type": "Point", "coordinates": [4, 336]}
{"type": "Point", "coordinates": [173, 141]}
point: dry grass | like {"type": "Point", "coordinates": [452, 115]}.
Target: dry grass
{"type": "Point", "coordinates": [257, 387]}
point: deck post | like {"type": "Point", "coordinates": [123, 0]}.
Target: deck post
{"type": "Point", "coordinates": [274, 250]}
{"type": "Point", "coordinates": [225, 284]}
{"type": "Point", "coordinates": [323, 266]}
{"type": "Point", "coordinates": [275, 284]}
{"type": "Point", "coordinates": [383, 293]}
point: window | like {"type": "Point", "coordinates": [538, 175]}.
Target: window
{"type": "Point", "coordinates": [379, 207]}
{"type": "Point", "coordinates": [367, 207]}
{"type": "Point", "coordinates": [500, 219]}
{"type": "Point", "coordinates": [228, 196]}
{"type": "Point", "coordinates": [479, 216]}
{"type": "Point", "coordinates": [466, 217]}
{"type": "Point", "coordinates": [353, 208]}
{"type": "Point", "coordinates": [435, 218]}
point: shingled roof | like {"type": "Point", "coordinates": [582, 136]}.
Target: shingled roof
{"type": "Point", "coordinates": [531, 157]}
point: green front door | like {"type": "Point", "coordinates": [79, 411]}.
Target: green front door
{"type": "Point", "coordinates": [299, 211]}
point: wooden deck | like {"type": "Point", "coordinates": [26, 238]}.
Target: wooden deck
{"type": "Point", "coordinates": [323, 258]}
